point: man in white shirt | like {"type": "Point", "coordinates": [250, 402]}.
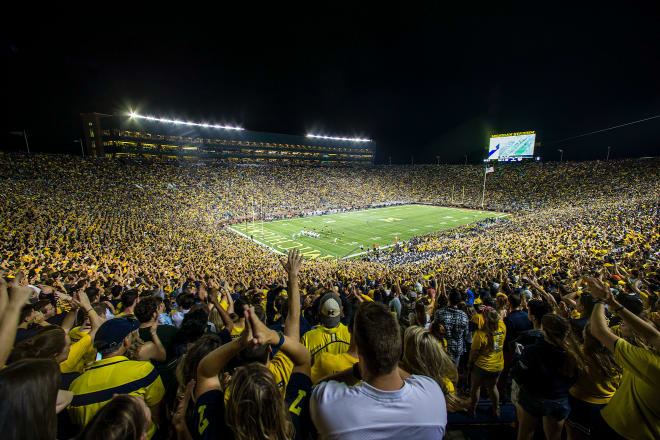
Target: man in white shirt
{"type": "Point", "coordinates": [388, 403]}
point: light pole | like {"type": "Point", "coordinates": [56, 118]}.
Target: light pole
{"type": "Point", "coordinates": [82, 150]}
{"type": "Point", "coordinates": [561, 155]}
{"type": "Point", "coordinates": [608, 153]}
{"type": "Point", "coordinates": [466, 159]}
{"type": "Point", "coordinates": [24, 134]}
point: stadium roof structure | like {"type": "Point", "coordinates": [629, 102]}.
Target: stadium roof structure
{"type": "Point", "coordinates": [133, 134]}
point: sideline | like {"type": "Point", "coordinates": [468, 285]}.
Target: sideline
{"type": "Point", "coordinates": [256, 241]}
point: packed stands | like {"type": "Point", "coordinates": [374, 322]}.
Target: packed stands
{"type": "Point", "coordinates": [120, 276]}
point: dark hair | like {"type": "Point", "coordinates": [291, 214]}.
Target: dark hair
{"type": "Point", "coordinates": [26, 311]}
{"type": "Point", "coordinates": [238, 305]}
{"type": "Point", "coordinates": [420, 313]}
{"type": "Point", "coordinates": [116, 290]}
{"type": "Point", "coordinates": [588, 303]}
{"type": "Point", "coordinates": [145, 309]}
{"type": "Point", "coordinates": [193, 326]}
{"type": "Point", "coordinates": [558, 331]}
{"type": "Point", "coordinates": [489, 301]}
{"type": "Point", "coordinates": [41, 305]}
{"type": "Point", "coordinates": [538, 308]}
{"type": "Point", "coordinates": [186, 301]}
{"type": "Point", "coordinates": [47, 343]}
{"type": "Point", "coordinates": [515, 300]}
{"type": "Point", "coordinates": [29, 389]}
{"type": "Point", "coordinates": [631, 302]}
{"type": "Point", "coordinates": [92, 293]}
{"type": "Point", "coordinates": [378, 337]}
{"type": "Point", "coordinates": [254, 353]}
{"type": "Point", "coordinates": [128, 298]}
{"type": "Point", "coordinates": [441, 300]}
{"type": "Point", "coordinates": [455, 297]}
{"type": "Point", "coordinates": [122, 418]}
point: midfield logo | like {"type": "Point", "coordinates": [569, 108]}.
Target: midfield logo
{"type": "Point", "coordinates": [389, 219]}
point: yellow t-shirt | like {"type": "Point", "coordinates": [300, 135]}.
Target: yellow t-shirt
{"type": "Point", "coordinates": [490, 358]}
{"type": "Point", "coordinates": [329, 363]}
{"type": "Point", "coordinates": [236, 332]}
{"type": "Point", "coordinates": [593, 387]}
{"type": "Point", "coordinates": [449, 385]}
{"type": "Point", "coordinates": [75, 362]}
{"type": "Point", "coordinates": [478, 318]}
{"type": "Point", "coordinates": [634, 411]}
{"type": "Point", "coordinates": [322, 339]}
{"type": "Point", "coordinates": [90, 355]}
{"type": "Point", "coordinates": [107, 377]}
{"type": "Point", "coordinates": [280, 367]}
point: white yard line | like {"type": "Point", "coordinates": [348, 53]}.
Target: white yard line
{"type": "Point", "coordinates": [366, 252]}
{"type": "Point", "coordinates": [256, 241]}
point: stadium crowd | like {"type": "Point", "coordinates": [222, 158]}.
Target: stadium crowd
{"type": "Point", "coordinates": [129, 310]}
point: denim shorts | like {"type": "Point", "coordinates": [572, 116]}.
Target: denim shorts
{"type": "Point", "coordinates": [538, 407]}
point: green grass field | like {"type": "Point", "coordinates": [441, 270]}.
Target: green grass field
{"type": "Point", "coordinates": [352, 229]}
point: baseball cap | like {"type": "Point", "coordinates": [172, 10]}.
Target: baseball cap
{"type": "Point", "coordinates": [329, 310]}
{"type": "Point", "coordinates": [113, 332]}
{"type": "Point", "coordinates": [413, 294]}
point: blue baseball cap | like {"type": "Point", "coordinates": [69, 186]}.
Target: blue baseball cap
{"type": "Point", "coordinates": [113, 332]}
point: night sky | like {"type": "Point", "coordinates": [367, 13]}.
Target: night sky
{"type": "Point", "coordinates": [420, 83]}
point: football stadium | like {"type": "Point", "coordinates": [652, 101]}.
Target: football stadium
{"type": "Point", "coordinates": [301, 231]}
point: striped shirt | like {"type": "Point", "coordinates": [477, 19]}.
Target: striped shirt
{"type": "Point", "coordinates": [107, 377]}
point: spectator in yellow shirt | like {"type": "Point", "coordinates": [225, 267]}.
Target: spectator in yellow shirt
{"type": "Point", "coordinates": [634, 410]}
{"type": "Point", "coordinates": [594, 388]}
{"type": "Point", "coordinates": [331, 336]}
{"type": "Point", "coordinates": [328, 364]}
{"type": "Point", "coordinates": [115, 374]}
{"type": "Point", "coordinates": [487, 360]}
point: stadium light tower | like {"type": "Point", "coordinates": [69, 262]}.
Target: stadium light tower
{"type": "Point", "coordinates": [608, 153]}
{"type": "Point", "coordinates": [561, 155]}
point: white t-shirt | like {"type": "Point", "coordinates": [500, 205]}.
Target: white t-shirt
{"type": "Point", "coordinates": [416, 411]}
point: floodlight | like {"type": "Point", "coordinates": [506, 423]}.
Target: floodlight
{"type": "Point", "coordinates": [174, 121]}
{"type": "Point", "coordinates": [337, 138]}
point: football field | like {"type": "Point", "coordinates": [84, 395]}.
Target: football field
{"type": "Point", "coordinates": [342, 234]}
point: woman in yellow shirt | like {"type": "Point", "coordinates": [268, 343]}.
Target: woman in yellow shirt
{"type": "Point", "coordinates": [594, 387]}
{"type": "Point", "coordinates": [486, 360]}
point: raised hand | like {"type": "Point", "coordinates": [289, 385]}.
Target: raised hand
{"type": "Point", "coordinates": [293, 263]}
{"type": "Point", "coordinates": [260, 333]}
{"type": "Point", "coordinates": [597, 288]}
{"type": "Point", "coordinates": [18, 293]}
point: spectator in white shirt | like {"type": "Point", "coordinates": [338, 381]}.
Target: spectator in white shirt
{"type": "Point", "coordinates": [389, 403]}
{"type": "Point", "coordinates": [185, 302]}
